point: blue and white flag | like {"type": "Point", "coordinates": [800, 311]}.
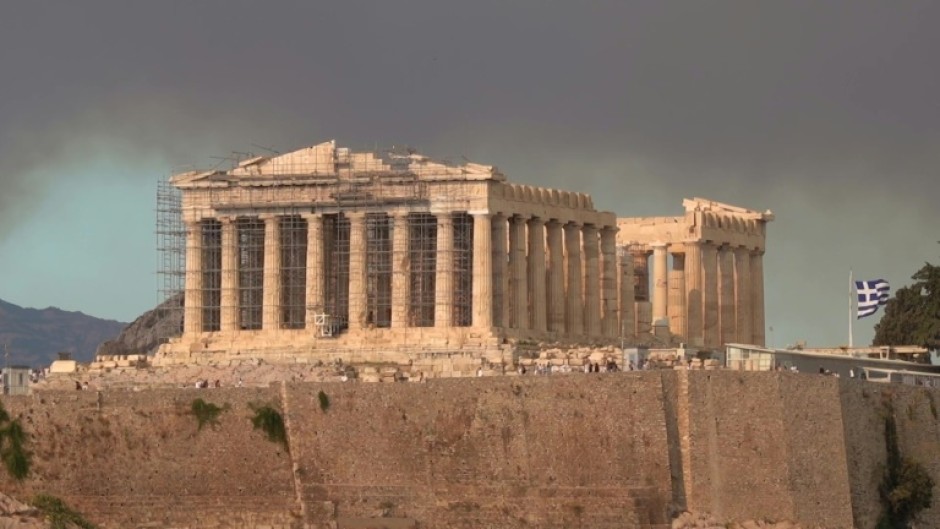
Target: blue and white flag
{"type": "Point", "coordinates": [871, 294]}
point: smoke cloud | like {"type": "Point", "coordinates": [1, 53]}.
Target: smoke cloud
{"type": "Point", "coordinates": [826, 114]}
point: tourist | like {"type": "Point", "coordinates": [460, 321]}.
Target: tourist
{"type": "Point", "coordinates": [479, 371]}
{"type": "Point", "coordinates": [78, 385]}
{"type": "Point", "coordinates": [85, 386]}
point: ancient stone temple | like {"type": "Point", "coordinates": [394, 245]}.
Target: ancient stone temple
{"type": "Point", "coordinates": [390, 257]}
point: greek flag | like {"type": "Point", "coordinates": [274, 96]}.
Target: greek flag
{"type": "Point", "coordinates": [870, 295]}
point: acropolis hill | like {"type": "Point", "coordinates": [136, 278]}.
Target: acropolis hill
{"type": "Point", "coordinates": [326, 254]}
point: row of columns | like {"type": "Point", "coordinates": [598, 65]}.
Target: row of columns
{"type": "Point", "coordinates": [560, 277]}
{"type": "Point", "coordinates": [711, 295]}
{"type": "Point", "coordinates": [557, 277]}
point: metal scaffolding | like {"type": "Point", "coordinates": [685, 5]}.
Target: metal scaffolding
{"type": "Point", "coordinates": [378, 270]}
{"type": "Point", "coordinates": [293, 276]}
{"type": "Point", "coordinates": [233, 243]}
{"type": "Point", "coordinates": [422, 254]}
{"type": "Point", "coordinates": [171, 260]}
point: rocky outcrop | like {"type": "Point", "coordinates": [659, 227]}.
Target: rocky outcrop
{"type": "Point", "coordinates": [145, 334]}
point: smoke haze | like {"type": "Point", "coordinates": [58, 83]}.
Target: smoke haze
{"type": "Point", "coordinates": [826, 114]}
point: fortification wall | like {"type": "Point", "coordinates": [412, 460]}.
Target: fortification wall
{"type": "Point", "coordinates": [599, 450]}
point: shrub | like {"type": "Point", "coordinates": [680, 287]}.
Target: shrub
{"type": "Point", "coordinates": [906, 488]}
{"type": "Point", "coordinates": [269, 420]}
{"type": "Point", "coordinates": [12, 446]}
{"type": "Point", "coordinates": [324, 400]}
{"type": "Point", "coordinates": [207, 412]}
{"type": "Point", "coordinates": [60, 516]}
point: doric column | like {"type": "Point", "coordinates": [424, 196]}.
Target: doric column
{"type": "Point", "coordinates": [518, 285]}
{"type": "Point", "coordinates": [693, 293]}
{"type": "Point", "coordinates": [272, 274]}
{"type": "Point", "coordinates": [609, 305]}
{"type": "Point", "coordinates": [677, 306]}
{"type": "Point", "coordinates": [556, 277]}
{"type": "Point", "coordinates": [575, 305]}
{"type": "Point", "coordinates": [627, 296]}
{"type": "Point", "coordinates": [444, 283]}
{"type": "Point", "coordinates": [401, 272]}
{"type": "Point", "coordinates": [192, 316]}
{"type": "Point", "coordinates": [743, 293]}
{"type": "Point", "coordinates": [592, 286]}
{"type": "Point", "coordinates": [757, 297]}
{"type": "Point", "coordinates": [500, 264]}
{"type": "Point", "coordinates": [726, 302]}
{"type": "Point", "coordinates": [482, 270]}
{"type": "Point", "coordinates": [710, 329]}
{"type": "Point", "coordinates": [660, 282]}
{"type": "Point", "coordinates": [357, 270]}
{"type": "Point", "coordinates": [315, 271]}
{"type": "Point", "coordinates": [536, 273]}
{"type": "Point", "coordinates": [229, 296]}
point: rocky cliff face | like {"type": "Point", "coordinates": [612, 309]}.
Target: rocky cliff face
{"type": "Point", "coordinates": [148, 331]}
{"type": "Point", "coordinates": [36, 336]}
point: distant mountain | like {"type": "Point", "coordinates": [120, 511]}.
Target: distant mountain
{"type": "Point", "coordinates": [36, 336]}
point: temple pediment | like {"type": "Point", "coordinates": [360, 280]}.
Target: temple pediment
{"type": "Point", "coordinates": [326, 160]}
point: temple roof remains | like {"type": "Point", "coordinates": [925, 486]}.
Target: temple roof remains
{"type": "Point", "coordinates": [328, 160]}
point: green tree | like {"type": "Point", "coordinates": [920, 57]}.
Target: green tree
{"type": "Point", "coordinates": [912, 316]}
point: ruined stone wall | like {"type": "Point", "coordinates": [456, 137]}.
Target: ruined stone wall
{"type": "Point", "coordinates": [599, 450]}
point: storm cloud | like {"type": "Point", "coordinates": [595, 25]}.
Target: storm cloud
{"type": "Point", "coordinates": [826, 114]}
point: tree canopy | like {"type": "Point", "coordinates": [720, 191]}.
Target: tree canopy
{"type": "Point", "coordinates": [912, 316]}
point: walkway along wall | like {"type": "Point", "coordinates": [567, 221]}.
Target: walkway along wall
{"type": "Point", "coordinates": [605, 450]}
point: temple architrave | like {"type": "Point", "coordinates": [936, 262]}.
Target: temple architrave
{"type": "Point", "coordinates": [325, 254]}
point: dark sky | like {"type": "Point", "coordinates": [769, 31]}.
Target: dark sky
{"type": "Point", "coordinates": [825, 113]}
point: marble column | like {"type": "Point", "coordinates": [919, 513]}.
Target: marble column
{"type": "Point", "coordinates": [401, 271]}
{"type": "Point", "coordinates": [694, 286]}
{"type": "Point", "coordinates": [536, 274]}
{"type": "Point", "coordinates": [660, 282]}
{"type": "Point", "coordinates": [743, 294]}
{"type": "Point", "coordinates": [610, 325]}
{"type": "Point", "coordinates": [710, 329]}
{"type": "Point", "coordinates": [315, 272]}
{"type": "Point", "coordinates": [444, 282]}
{"type": "Point", "coordinates": [592, 287]}
{"type": "Point", "coordinates": [575, 305]}
{"type": "Point", "coordinates": [676, 305]}
{"type": "Point", "coordinates": [726, 301]}
{"type": "Point", "coordinates": [519, 285]}
{"type": "Point", "coordinates": [500, 279]}
{"type": "Point", "coordinates": [757, 298]}
{"type": "Point", "coordinates": [482, 270]}
{"type": "Point", "coordinates": [357, 270]}
{"type": "Point", "coordinates": [229, 295]}
{"type": "Point", "coordinates": [192, 315]}
{"type": "Point", "coordinates": [271, 283]}
{"type": "Point", "coordinates": [556, 277]}
{"type": "Point", "coordinates": [627, 297]}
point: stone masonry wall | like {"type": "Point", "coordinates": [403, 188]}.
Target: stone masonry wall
{"type": "Point", "coordinates": [598, 450]}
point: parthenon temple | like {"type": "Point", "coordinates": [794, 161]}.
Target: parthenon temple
{"type": "Point", "coordinates": [325, 254]}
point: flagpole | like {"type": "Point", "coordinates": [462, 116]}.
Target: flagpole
{"type": "Point", "coordinates": [851, 286]}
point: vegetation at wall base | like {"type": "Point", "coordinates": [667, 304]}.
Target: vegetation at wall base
{"type": "Point", "coordinates": [207, 412]}
{"type": "Point", "coordinates": [906, 488]}
{"type": "Point", "coordinates": [324, 401]}
{"type": "Point", "coordinates": [60, 516]}
{"type": "Point", "coordinates": [13, 446]}
{"type": "Point", "coordinates": [912, 316]}
{"type": "Point", "coordinates": [270, 421]}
